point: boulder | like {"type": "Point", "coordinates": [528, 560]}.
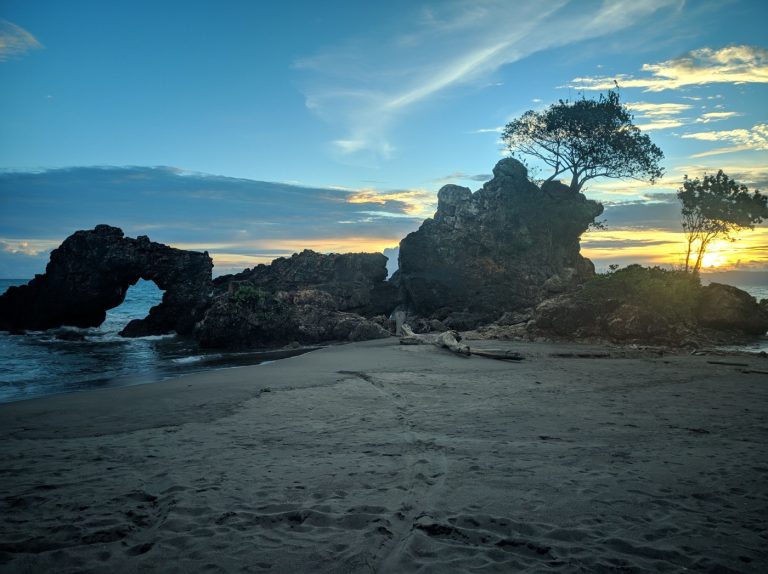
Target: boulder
{"type": "Point", "coordinates": [499, 249]}
{"type": "Point", "coordinates": [727, 308]}
{"type": "Point", "coordinates": [91, 272]}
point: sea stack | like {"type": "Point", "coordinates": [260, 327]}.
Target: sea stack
{"type": "Point", "coordinates": [502, 248]}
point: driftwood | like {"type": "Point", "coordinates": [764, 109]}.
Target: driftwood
{"type": "Point", "coordinates": [498, 354]}
{"type": "Point", "coordinates": [447, 339]}
{"type": "Point", "coordinates": [728, 363]}
{"type": "Point", "coordinates": [450, 340]}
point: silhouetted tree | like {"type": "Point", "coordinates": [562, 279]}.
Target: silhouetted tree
{"type": "Point", "coordinates": [716, 206]}
{"type": "Point", "coordinates": [586, 139]}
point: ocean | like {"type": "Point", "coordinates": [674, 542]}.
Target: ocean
{"type": "Point", "coordinates": [44, 363]}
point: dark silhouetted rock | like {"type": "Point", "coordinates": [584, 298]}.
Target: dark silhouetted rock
{"type": "Point", "coordinates": [247, 316]}
{"type": "Point", "coordinates": [652, 306]}
{"type": "Point", "coordinates": [308, 297]}
{"type": "Point", "coordinates": [728, 308]}
{"type": "Point", "coordinates": [91, 272]}
{"type": "Point", "coordinates": [355, 281]}
{"type": "Point", "coordinates": [502, 248]}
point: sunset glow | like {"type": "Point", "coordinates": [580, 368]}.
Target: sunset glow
{"type": "Point", "coordinates": [667, 248]}
{"type": "Point", "coordinates": [333, 129]}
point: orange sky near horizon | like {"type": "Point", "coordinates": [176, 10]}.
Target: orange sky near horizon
{"type": "Point", "coordinates": [665, 248]}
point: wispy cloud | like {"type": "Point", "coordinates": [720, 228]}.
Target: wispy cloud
{"type": "Point", "coordinates": [732, 64]}
{"type": "Point", "coordinates": [15, 41]}
{"type": "Point", "coordinates": [412, 202]}
{"type": "Point", "coordinates": [753, 176]}
{"type": "Point", "coordinates": [367, 84]}
{"type": "Point", "coordinates": [755, 138]}
{"type": "Point", "coordinates": [460, 175]}
{"type": "Point", "coordinates": [710, 117]}
{"type": "Point", "coordinates": [29, 247]}
{"type": "Point", "coordinates": [658, 116]}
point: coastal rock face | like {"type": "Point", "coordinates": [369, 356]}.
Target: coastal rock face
{"type": "Point", "coordinates": [728, 308]}
{"type": "Point", "coordinates": [355, 281]}
{"type": "Point", "coordinates": [307, 298]}
{"type": "Point", "coordinates": [248, 317]}
{"type": "Point", "coordinates": [620, 322]}
{"type": "Point", "coordinates": [502, 248]}
{"type": "Point", "coordinates": [91, 272]}
{"type": "Point", "coordinates": [675, 310]}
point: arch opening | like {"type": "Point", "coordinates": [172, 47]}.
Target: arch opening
{"type": "Point", "coordinates": [139, 299]}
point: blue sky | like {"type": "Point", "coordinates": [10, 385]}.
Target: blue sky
{"type": "Point", "coordinates": [257, 129]}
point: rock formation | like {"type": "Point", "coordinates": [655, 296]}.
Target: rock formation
{"type": "Point", "coordinates": [91, 272]}
{"type": "Point", "coordinates": [502, 248]}
{"type": "Point", "coordinates": [307, 298]}
{"type": "Point", "coordinates": [728, 308]}
{"type": "Point", "coordinates": [652, 306]}
{"type": "Point", "coordinates": [355, 281]}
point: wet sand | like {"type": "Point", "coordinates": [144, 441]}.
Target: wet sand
{"type": "Point", "coordinates": [376, 457]}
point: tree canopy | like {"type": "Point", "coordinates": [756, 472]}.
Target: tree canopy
{"type": "Point", "coordinates": [716, 206]}
{"type": "Point", "coordinates": [586, 139]}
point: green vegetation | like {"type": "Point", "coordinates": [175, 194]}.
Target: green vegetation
{"type": "Point", "coordinates": [586, 139]}
{"type": "Point", "coordinates": [672, 294]}
{"type": "Point", "coordinates": [716, 206]}
{"type": "Point", "coordinates": [250, 296]}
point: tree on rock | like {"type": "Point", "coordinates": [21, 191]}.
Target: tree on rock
{"type": "Point", "coordinates": [586, 139]}
{"type": "Point", "coordinates": [716, 206]}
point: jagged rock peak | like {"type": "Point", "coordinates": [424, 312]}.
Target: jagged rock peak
{"type": "Point", "coordinates": [497, 249]}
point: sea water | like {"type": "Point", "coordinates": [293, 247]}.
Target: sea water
{"type": "Point", "coordinates": [70, 359]}
{"type": "Point", "coordinates": [51, 362]}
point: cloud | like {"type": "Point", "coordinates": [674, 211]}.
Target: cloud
{"type": "Point", "coordinates": [754, 138]}
{"type": "Point", "coordinates": [15, 41]}
{"type": "Point", "coordinates": [460, 175]}
{"type": "Point", "coordinates": [615, 243]}
{"type": "Point", "coordinates": [732, 64]}
{"type": "Point", "coordinates": [658, 116]}
{"type": "Point", "coordinates": [716, 117]}
{"type": "Point", "coordinates": [636, 215]}
{"type": "Point", "coordinates": [234, 219]}
{"type": "Point", "coordinates": [663, 110]}
{"type": "Point", "coordinates": [28, 247]}
{"type": "Point", "coordinates": [411, 203]}
{"type": "Point", "coordinates": [753, 176]}
{"type": "Point", "coordinates": [367, 84]}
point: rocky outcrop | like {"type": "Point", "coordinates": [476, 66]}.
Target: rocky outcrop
{"type": "Point", "coordinates": [502, 248]}
{"type": "Point", "coordinates": [355, 281]}
{"type": "Point", "coordinates": [247, 316]}
{"type": "Point", "coordinates": [91, 272]}
{"type": "Point", "coordinates": [727, 308]}
{"type": "Point", "coordinates": [651, 306]}
{"type": "Point", "coordinates": [306, 298]}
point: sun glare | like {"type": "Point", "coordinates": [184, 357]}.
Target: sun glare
{"type": "Point", "coordinates": [718, 254]}
{"type": "Point", "coordinates": [713, 260]}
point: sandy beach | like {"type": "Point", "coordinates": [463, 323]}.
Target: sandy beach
{"type": "Point", "coordinates": [376, 457]}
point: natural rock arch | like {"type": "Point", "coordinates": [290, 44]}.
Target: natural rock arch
{"type": "Point", "coordinates": [91, 272]}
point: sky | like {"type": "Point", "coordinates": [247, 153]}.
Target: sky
{"type": "Point", "coordinates": [256, 129]}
